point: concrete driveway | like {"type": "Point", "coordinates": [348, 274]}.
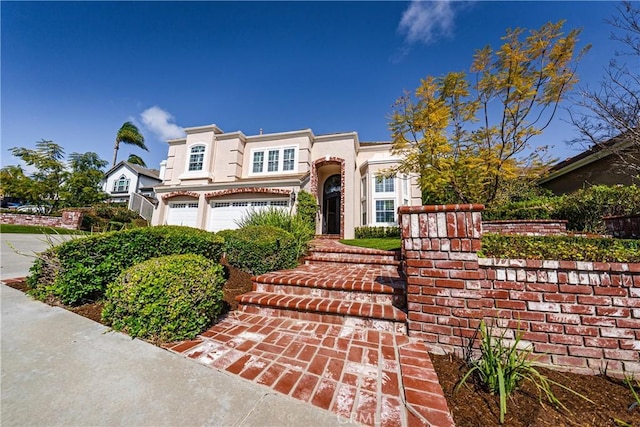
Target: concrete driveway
{"type": "Point", "coordinates": [17, 251]}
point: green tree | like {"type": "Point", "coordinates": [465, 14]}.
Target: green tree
{"type": "Point", "coordinates": [13, 182]}
{"type": "Point", "coordinates": [44, 185]}
{"type": "Point", "coordinates": [128, 134]}
{"type": "Point", "coordinates": [82, 187]}
{"type": "Point", "coordinates": [467, 135]}
{"type": "Point", "coordinates": [136, 160]}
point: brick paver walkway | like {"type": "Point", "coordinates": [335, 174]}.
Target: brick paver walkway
{"type": "Point", "coordinates": [366, 376]}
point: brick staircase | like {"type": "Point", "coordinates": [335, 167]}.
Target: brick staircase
{"type": "Point", "coordinates": [337, 284]}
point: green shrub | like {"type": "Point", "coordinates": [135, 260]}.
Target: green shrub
{"type": "Point", "coordinates": [538, 208]}
{"type": "Point", "coordinates": [166, 299]}
{"type": "Point", "coordinates": [307, 208]}
{"type": "Point", "coordinates": [85, 266]}
{"type": "Point", "coordinates": [367, 232]}
{"type": "Point", "coordinates": [585, 208]}
{"type": "Point", "coordinates": [257, 249]}
{"type": "Point", "coordinates": [109, 217]}
{"type": "Point", "coordinates": [300, 229]}
{"type": "Point", "coordinates": [571, 248]}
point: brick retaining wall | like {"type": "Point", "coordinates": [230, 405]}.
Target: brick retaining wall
{"type": "Point", "coordinates": [69, 219]}
{"type": "Point", "coordinates": [527, 227]}
{"type": "Point", "coordinates": [580, 316]}
{"type": "Point", "coordinates": [623, 226]}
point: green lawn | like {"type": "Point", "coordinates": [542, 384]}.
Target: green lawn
{"type": "Point", "coordinates": [36, 229]}
{"type": "Point", "coordinates": [383, 244]}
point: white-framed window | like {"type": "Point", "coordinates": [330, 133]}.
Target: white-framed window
{"type": "Point", "coordinates": [272, 163]}
{"type": "Point", "coordinates": [258, 162]}
{"type": "Point", "coordinates": [385, 211]}
{"type": "Point", "coordinates": [184, 205]}
{"type": "Point", "coordinates": [363, 187]}
{"type": "Point", "coordinates": [196, 158]}
{"type": "Point", "coordinates": [121, 185]}
{"type": "Point", "coordinates": [405, 190]}
{"type": "Point", "coordinates": [385, 184]}
{"type": "Point", "coordinates": [363, 208]}
{"type": "Point", "coordinates": [273, 160]}
{"type": "Point", "coordinates": [289, 159]}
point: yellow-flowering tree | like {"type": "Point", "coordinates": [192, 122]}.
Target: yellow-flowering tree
{"type": "Point", "coordinates": [466, 135]}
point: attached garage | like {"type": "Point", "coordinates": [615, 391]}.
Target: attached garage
{"type": "Point", "coordinates": [183, 213]}
{"type": "Point", "coordinates": [223, 214]}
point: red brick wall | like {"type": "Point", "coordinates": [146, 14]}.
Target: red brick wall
{"type": "Point", "coordinates": [69, 219]}
{"type": "Point", "coordinates": [577, 315]}
{"type": "Point", "coordinates": [626, 227]}
{"type": "Point", "coordinates": [539, 227]}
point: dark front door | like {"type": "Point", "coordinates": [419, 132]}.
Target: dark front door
{"type": "Point", "coordinates": [331, 205]}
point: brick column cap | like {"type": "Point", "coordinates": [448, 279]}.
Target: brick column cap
{"type": "Point", "coordinates": [475, 207]}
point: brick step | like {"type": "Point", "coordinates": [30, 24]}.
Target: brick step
{"type": "Point", "coordinates": [328, 258]}
{"type": "Point", "coordinates": [327, 293]}
{"type": "Point", "coordinates": [354, 313]}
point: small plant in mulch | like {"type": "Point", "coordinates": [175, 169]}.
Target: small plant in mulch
{"type": "Point", "coordinates": [501, 368]}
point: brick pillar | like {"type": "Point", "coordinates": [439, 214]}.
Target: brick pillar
{"type": "Point", "coordinates": [439, 245]}
{"type": "Point", "coordinates": [71, 219]}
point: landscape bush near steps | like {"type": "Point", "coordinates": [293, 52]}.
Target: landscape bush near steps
{"type": "Point", "coordinates": [166, 299]}
{"type": "Point", "coordinates": [79, 270]}
{"type": "Point", "coordinates": [258, 249]}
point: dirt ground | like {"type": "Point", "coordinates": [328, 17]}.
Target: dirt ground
{"type": "Point", "coordinates": [472, 406]}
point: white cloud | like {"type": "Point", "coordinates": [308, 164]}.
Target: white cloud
{"type": "Point", "coordinates": [425, 21]}
{"type": "Point", "coordinates": [161, 123]}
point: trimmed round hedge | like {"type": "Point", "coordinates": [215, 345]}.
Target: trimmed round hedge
{"type": "Point", "coordinates": [258, 249]}
{"type": "Point", "coordinates": [79, 270]}
{"type": "Point", "coordinates": [166, 299]}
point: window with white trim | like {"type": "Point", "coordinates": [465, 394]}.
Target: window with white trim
{"type": "Point", "coordinates": [184, 205]}
{"type": "Point", "coordinates": [385, 184]}
{"type": "Point", "coordinates": [385, 211]}
{"type": "Point", "coordinates": [258, 161]}
{"type": "Point", "coordinates": [364, 212]}
{"type": "Point", "coordinates": [289, 159]}
{"type": "Point", "coordinates": [272, 164]}
{"type": "Point", "coordinates": [121, 185]}
{"type": "Point", "coordinates": [273, 160]}
{"type": "Point", "coordinates": [196, 158]}
{"type": "Point", "coordinates": [363, 187]}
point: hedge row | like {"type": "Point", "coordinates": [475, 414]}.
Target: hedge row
{"type": "Point", "coordinates": [367, 232]}
{"type": "Point", "coordinates": [80, 270]}
{"type": "Point", "coordinates": [571, 248]}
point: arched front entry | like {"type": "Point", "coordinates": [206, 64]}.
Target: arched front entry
{"type": "Point", "coordinates": [332, 195]}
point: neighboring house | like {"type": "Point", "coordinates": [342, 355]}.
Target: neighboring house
{"type": "Point", "coordinates": [599, 165]}
{"type": "Point", "coordinates": [212, 178]}
{"type": "Point", "coordinates": [125, 178]}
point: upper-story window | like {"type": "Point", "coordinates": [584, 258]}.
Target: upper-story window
{"type": "Point", "coordinates": [273, 160]}
{"type": "Point", "coordinates": [385, 184]}
{"type": "Point", "coordinates": [121, 185]}
{"type": "Point", "coordinates": [289, 161]}
{"type": "Point", "coordinates": [196, 158]}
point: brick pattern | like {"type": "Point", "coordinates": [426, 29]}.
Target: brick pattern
{"type": "Point", "coordinates": [70, 220]}
{"type": "Point", "coordinates": [625, 227]}
{"type": "Point", "coordinates": [576, 315]}
{"type": "Point", "coordinates": [250, 190]}
{"type": "Point", "coordinates": [314, 183]}
{"type": "Point", "coordinates": [362, 287]}
{"type": "Point", "coordinates": [182, 193]}
{"type": "Point", "coordinates": [365, 376]}
{"type": "Point", "coordinates": [540, 227]}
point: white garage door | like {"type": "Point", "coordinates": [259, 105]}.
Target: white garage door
{"type": "Point", "coordinates": [182, 213]}
{"type": "Point", "coordinates": [224, 215]}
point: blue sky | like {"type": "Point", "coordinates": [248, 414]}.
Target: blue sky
{"type": "Point", "coordinates": [73, 72]}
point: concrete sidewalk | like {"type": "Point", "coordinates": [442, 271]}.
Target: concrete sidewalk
{"type": "Point", "coordinates": [59, 368]}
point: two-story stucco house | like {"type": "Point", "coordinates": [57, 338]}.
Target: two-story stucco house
{"type": "Point", "coordinates": [212, 178]}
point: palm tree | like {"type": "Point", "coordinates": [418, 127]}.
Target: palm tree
{"type": "Point", "coordinates": [128, 134]}
{"type": "Point", "coordinates": [136, 160]}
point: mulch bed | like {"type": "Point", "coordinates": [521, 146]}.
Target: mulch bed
{"type": "Point", "coordinates": [472, 406]}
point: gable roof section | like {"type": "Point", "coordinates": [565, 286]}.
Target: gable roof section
{"type": "Point", "coordinates": [588, 156]}
{"type": "Point", "coordinates": [151, 173]}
